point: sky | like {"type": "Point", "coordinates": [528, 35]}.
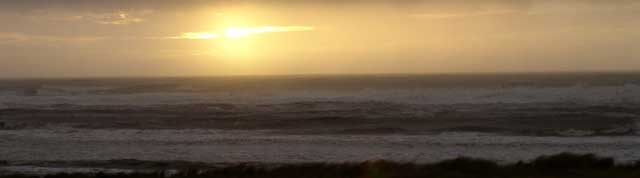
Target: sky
{"type": "Point", "coordinates": [95, 38]}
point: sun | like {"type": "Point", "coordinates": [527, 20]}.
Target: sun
{"type": "Point", "coordinates": [236, 32]}
{"type": "Point", "coordinates": [241, 32]}
{"type": "Point", "coordinates": [239, 41]}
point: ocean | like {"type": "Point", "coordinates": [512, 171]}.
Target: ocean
{"type": "Point", "coordinates": [320, 118]}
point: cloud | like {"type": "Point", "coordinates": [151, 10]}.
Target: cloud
{"type": "Point", "coordinates": [11, 37]}
{"type": "Point", "coordinates": [196, 36]}
{"type": "Point", "coordinates": [436, 9]}
{"type": "Point", "coordinates": [178, 4]}
{"type": "Point", "coordinates": [241, 32]}
{"type": "Point", "coordinates": [467, 14]}
{"type": "Point", "coordinates": [21, 38]}
{"type": "Point", "coordinates": [114, 18]}
{"type": "Point", "coordinates": [120, 17]}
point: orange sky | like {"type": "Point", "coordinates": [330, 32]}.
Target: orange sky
{"type": "Point", "coordinates": [74, 38]}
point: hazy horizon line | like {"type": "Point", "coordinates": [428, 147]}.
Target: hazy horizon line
{"type": "Point", "coordinates": [554, 72]}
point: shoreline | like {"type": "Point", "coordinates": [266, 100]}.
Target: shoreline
{"type": "Point", "coordinates": [201, 145]}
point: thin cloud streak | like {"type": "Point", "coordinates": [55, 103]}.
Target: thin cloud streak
{"type": "Point", "coordinates": [105, 18]}
{"type": "Point", "coordinates": [196, 36]}
{"type": "Point", "coordinates": [238, 32]}
{"type": "Point", "coordinates": [462, 15]}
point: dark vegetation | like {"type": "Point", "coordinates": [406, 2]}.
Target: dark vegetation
{"type": "Point", "coordinates": [565, 165]}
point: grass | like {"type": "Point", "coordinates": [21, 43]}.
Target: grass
{"type": "Point", "coordinates": [565, 165]}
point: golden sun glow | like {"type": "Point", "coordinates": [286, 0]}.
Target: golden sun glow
{"type": "Point", "coordinates": [243, 32]}
{"type": "Point", "coordinates": [239, 32]}
{"type": "Point", "coordinates": [235, 42]}
{"type": "Point", "coordinates": [198, 35]}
